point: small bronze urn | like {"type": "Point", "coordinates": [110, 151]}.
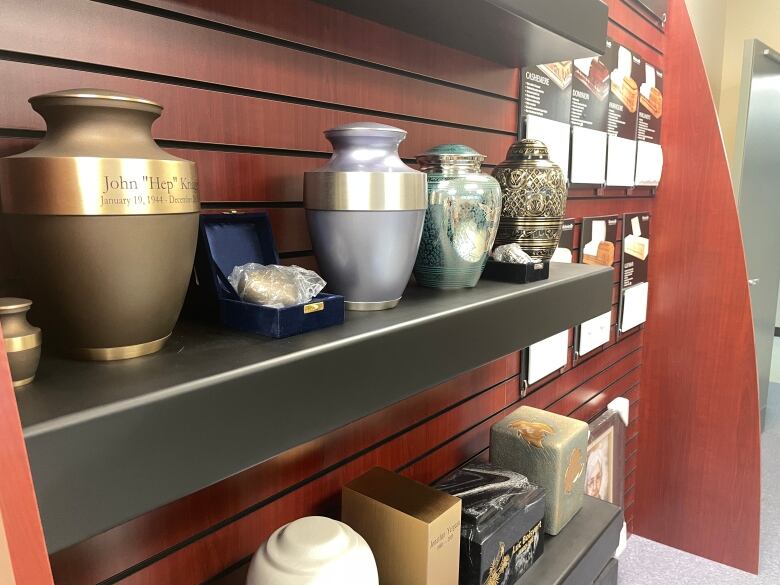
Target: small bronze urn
{"type": "Point", "coordinates": [103, 224]}
{"type": "Point", "coordinates": [534, 202]}
{"type": "Point", "coordinates": [22, 341]}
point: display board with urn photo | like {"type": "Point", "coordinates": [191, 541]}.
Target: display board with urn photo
{"type": "Point", "coordinates": [649, 156]}
{"type": "Point", "coordinates": [589, 108]}
{"type": "Point", "coordinates": [599, 239]}
{"type": "Point", "coordinates": [633, 282]}
{"type": "Point", "coordinates": [545, 108]}
{"type": "Point", "coordinates": [623, 98]}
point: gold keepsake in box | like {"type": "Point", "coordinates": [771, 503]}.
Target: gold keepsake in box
{"type": "Point", "coordinates": [412, 529]}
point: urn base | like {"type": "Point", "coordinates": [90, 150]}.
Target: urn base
{"type": "Point", "coordinates": [125, 352]}
{"type": "Point", "coordinates": [380, 306]}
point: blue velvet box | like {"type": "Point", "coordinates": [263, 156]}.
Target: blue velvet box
{"type": "Point", "coordinates": [227, 241]}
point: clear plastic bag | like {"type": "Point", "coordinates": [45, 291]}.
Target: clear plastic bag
{"type": "Point", "coordinates": [512, 254]}
{"type": "Point", "coordinates": [275, 286]}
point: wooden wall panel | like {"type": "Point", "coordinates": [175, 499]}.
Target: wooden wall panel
{"type": "Point", "coordinates": [698, 482]}
{"type": "Point", "coordinates": [236, 63]}
{"type": "Point", "coordinates": [248, 87]}
{"type": "Point", "coordinates": [21, 535]}
{"type": "Point", "coordinates": [206, 116]}
{"type": "Point", "coordinates": [311, 26]}
{"type": "Point", "coordinates": [627, 17]}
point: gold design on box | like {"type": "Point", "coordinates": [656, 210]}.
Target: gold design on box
{"type": "Point", "coordinates": [497, 567]}
{"type": "Point", "coordinates": [573, 470]}
{"type": "Point", "coordinates": [313, 307]}
{"type": "Point", "coordinates": [533, 432]}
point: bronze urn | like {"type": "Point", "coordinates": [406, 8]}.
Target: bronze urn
{"type": "Point", "coordinates": [22, 341]}
{"type": "Point", "coordinates": [534, 199]}
{"type": "Point", "coordinates": [103, 224]}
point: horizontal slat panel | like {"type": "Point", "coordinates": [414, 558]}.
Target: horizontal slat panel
{"type": "Point", "coordinates": [635, 45]}
{"type": "Point", "coordinates": [235, 61]}
{"type": "Point", "coordinates": [99, 557]}
{"type": "Point", "coordinates": [593, 387]}
{"type": "Point", "coordinates": [631, 444]}
{"type": "Point", "coordinates": [629, 498]}
{"type": "Point", "coordinates": [207, 556]}
{"type": "Point", "coordinates": [630, 481]}
{"type": "Point", "coordinates": [313, 25]}
{"type": "Point", "coordinates": [586, 369]}
{"type": "Point", "coordinates": [603, 206]}
{"type": "Point", "coordinates": [239, 176]}
{"type": "Point", "coordinates": [196, 115]}
{"type": "Point", "coordinates": [630, 19]}
{"type": "Point", "coordinates": [600, 401]}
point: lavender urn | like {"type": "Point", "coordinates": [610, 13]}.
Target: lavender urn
{"type": "Point", "coordinates": [365, 210]}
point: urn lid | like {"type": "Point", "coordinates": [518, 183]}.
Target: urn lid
{"type": "Point", "coordinates": [94, 97]}
{"type": "Point", "coordinates": [9, 305]}
{"type": "Point", "coordinates": [450, 154]}
{"type": "Point", "coordinates": [365, 129]}
{"type": "Point", "coordinates": [528, 149]}
{"type": "Point", "coordinates": [314, 551]}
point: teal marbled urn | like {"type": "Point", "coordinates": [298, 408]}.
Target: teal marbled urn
{"type": "Point", "coordinates": [464, 208]}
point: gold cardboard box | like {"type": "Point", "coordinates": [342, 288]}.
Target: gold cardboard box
{"type": "Point", "coordinates": [412, 529]}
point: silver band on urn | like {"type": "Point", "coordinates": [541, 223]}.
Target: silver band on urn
{"type": "Point", "coordinates": [365, 191]}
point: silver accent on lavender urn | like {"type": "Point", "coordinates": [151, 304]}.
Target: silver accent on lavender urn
{"type": "Point", "coordinates": [365, 210]}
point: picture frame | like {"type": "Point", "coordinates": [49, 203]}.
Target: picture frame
{"type": "Point", "coordinates": [606, 458]}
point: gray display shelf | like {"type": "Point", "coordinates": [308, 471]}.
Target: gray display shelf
{"type": "Point", "coordinates": [110, 441]}
{"type": "Point", "coordinates": [581, 551]}
{"type": "Point", "coordinates": [579, 555]}
{"type": "Point", "coordinates": [510, 32]}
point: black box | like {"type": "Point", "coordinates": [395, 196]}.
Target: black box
{"type": "Point", "coordinates": [501, 526]}
{"type": "Point", "coordinates": [227, 241]}
{"type": "Point", "coordinates": [517, 273]}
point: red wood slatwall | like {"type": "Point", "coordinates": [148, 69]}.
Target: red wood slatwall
{"type": "Point", "coordinates": [698, 482]}
{"type": "Point", "coordinates": [20, 524]}
{"type": "Point", "coordinates": [248, 88]}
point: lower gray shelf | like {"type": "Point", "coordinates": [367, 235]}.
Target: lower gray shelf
{"type": "Point", "coordinates": [579, 554]}
{"type": "Point", "coordinates": [110, 441]}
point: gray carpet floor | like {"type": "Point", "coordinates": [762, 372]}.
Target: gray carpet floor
{"type": "Point", "coordinates": [648, 563]}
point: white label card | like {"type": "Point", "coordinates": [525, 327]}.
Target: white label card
{"type": "Point", "coordinates": [649, 163]}
{"type": "Point", "coordinates": [634, 306]}
{"type": "Point", "coordinates": [555, 135]}
{"type": "Point", "coordinates": [621, 161]}
{"type": "Point", "coordinates": [594, 333]}
{"type": "Point", "coordinates": [588, 156]}
{"type": "Point", "coordinates": [547, 356]}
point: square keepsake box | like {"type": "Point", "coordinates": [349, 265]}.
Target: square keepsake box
{"type": "Point", "coordinates": [551, 451]}
{"type": "Point", "coordinates": [501, 523]}
{"type": "Point", "coordinates": [227, 241]}
{"type": "Point", "coordinates": [412, 529]}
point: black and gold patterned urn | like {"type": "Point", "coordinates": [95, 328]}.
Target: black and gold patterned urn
{"type": "Point", "coordinates": [534, 202]}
